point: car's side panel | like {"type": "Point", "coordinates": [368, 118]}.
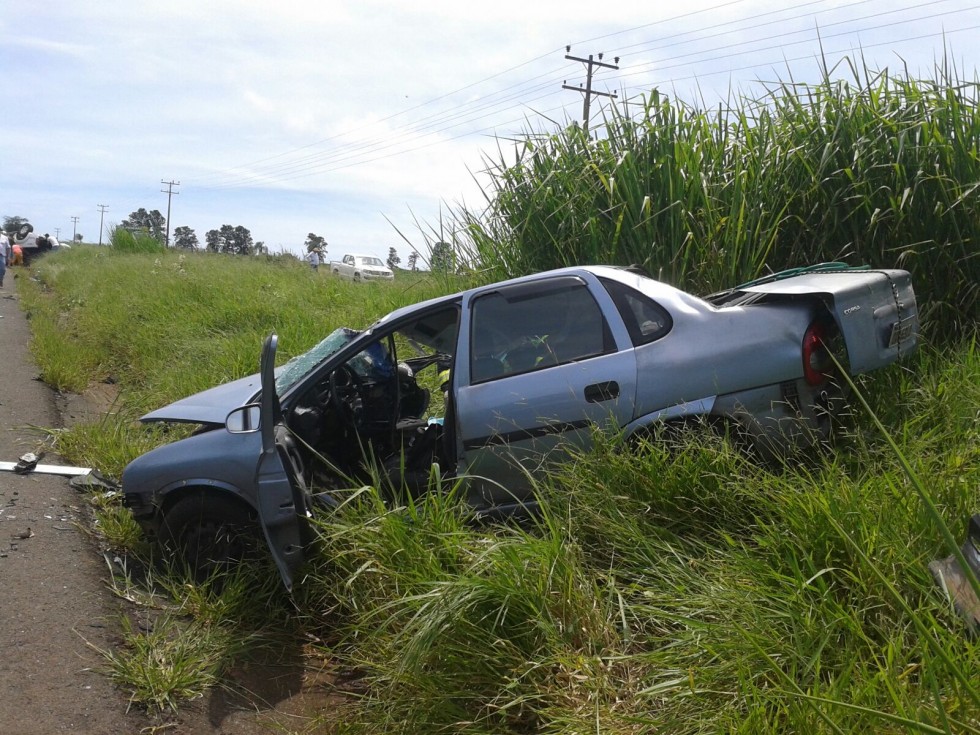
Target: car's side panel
{"type": "Point", "coordinates": [720, 351]}
{"type": "Point", "coordinates": [214, 458]}
{"type": "Point", "coordinates": [783, 418]}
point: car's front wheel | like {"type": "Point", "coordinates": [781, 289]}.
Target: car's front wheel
{"type": "Point", "coordinates": [208, 533]}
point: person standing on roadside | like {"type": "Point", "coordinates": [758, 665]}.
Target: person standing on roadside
{"type": "Point", "coordinates": [6, 254]}
{"type": "Point", "coordinates": [314, 259]}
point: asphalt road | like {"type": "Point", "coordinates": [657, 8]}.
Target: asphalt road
{"type": "Point", "coordinates": [54, 606]}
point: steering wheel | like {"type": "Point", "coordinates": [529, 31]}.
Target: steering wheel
{"type": "Point", "coordinates": [345, 393]}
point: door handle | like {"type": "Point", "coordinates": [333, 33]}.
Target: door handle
{"type": "Point", "coordinates": [599, 392]}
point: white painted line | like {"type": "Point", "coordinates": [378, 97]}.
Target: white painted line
{"type": "Point", "coordinates": [49, 469]}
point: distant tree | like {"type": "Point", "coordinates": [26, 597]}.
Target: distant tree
{"type": "Point", "coordinates": [413, 261]}
{"type": "Point", "coordinates": [442, 257]}
{"type": "Point", "coordinates": [213, 241]}
{"type": "Point", "coordinates": [153, 223]}
{"type": "Point", "coordinates": [78, 237]}
{"type": "Point", "coordinates": [233, 240]}
{"type": "Point", "coordinates": [12, 224]}
{"type": "Point", "coordinates": [241, 240]}
{"type": "Point", "coordinates": [393, 259]}
{"type": "Point", "coordinates": [260, 248]}
{"type": "Point", "coordinates": [185, 237]}
{"type": "Point", "coordinates": [315, 242]}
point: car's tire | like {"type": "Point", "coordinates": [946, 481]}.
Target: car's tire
{"type": "Point", "coordinates": [357, 277]}
{"type": "Point", "coordinates": [208, 533]}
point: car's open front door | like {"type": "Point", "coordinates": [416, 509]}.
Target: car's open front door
{"type": "Point", "coordinates": [281, 500]}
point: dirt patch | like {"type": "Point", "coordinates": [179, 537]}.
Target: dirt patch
{"type": "Point", "coordinates": [98, 400]}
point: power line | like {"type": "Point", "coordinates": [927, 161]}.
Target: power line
{"type": "Point", "coordinates": [742, 44]}
{"type": "Point", "coordinates": [782, 46]}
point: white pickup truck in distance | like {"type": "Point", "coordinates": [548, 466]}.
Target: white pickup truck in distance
{"type": "Point", "coordinates": [356, 267]}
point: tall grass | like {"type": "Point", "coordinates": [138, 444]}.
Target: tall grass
{"type": "Point", "coordinates": [126, 241]}
{"type": "Point", "coordinates": [880, 170]}
{"type": "Point", "coordinates": [668, 587]}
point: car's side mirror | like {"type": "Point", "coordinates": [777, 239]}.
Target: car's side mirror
{"type": "Point", "coordinates": [245, 419]}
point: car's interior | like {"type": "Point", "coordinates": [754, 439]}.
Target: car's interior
{"type": "Point", "coordinates": [383, 411]}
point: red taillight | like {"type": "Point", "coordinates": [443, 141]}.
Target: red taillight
{"type": "Point", "coordinates": [816, 359]}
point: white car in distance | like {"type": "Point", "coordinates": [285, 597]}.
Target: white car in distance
{"type": "Point", "coordinates": [355, 267]}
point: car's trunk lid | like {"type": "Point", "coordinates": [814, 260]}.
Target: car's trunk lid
{"type": "Point", "coordinates": [874, 309]}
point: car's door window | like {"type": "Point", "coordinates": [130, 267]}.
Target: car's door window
{"type": "Point", "coordinates": [533, 326]}
{"type": "Point", "coordinates": [646, 320]}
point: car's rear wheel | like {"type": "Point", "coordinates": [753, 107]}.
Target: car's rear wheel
{"type": "Point", "coordinates": [209, 533]}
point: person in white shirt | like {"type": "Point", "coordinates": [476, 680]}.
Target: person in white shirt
{"type": "Point", "coordinates": [314, 259]}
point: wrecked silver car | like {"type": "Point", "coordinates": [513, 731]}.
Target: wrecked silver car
{"type": "Point", "coordinates": [490, 382]}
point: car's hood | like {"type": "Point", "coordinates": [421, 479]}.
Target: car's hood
{"type": "Point", "coordinates": [210, 406]}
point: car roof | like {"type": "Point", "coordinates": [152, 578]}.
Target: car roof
{"type": "Point", "coordinates": [608, 271]}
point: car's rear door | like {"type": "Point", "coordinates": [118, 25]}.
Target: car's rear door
{"type": "Point", "coordinates": [542, 366]}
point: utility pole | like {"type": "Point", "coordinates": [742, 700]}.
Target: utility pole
{"type": "Point", "coordinates": [74, 221]}
{"type": "Point", "coordinates": [587, 89]}
{"type": "Point", "coordinates": [102, 209]}
{"type": "Point", "coordinates": [169, 191]}
{"type": "Point", "coordinates": [57, 232]}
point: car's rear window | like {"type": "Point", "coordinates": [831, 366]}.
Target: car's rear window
{"type": "Point", "coordinates": [646, 320]}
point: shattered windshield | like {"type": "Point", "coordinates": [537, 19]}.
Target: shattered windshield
{"type": "Point", "coordinates": [290, 373]}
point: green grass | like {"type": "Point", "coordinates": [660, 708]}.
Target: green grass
{"type": "Point", "coordinates": [170, 664]}
{"type": "Point", "coordinates": [181, 636]}
{"type": "Point", "coordinates": [664, 588]}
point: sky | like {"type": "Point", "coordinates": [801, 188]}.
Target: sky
{"type": "Point", "coordinates": [370, 122]}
